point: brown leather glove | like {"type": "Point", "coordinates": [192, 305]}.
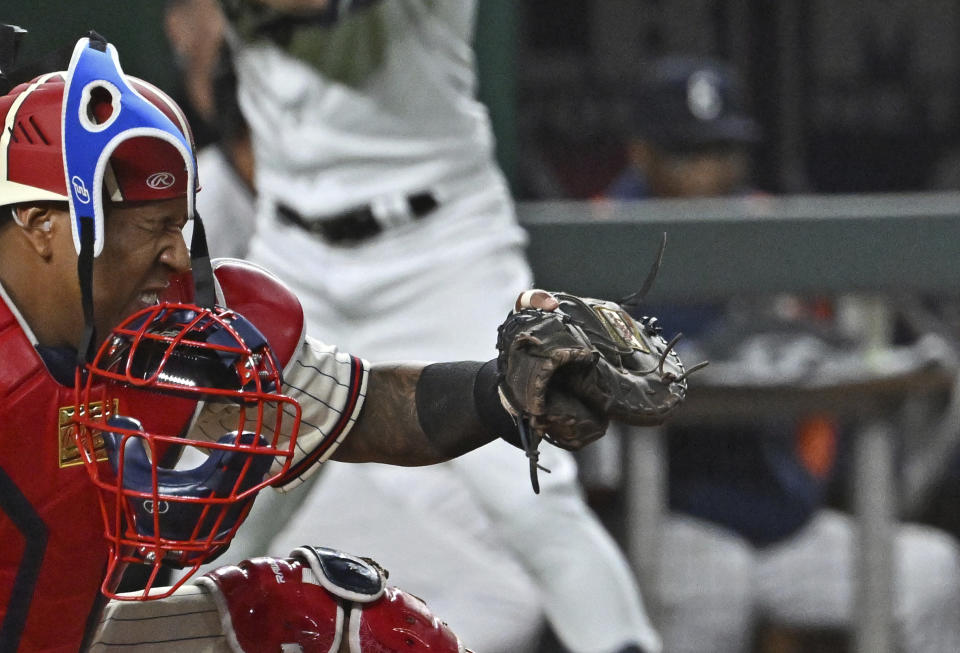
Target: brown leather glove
{"type": "Point", "coordinates": [566, 372]}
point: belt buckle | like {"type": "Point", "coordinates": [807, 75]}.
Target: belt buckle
{"type": "Point", "coordinates": [348, 228]}
{"type": "Point", "coordinates": [355, 226]}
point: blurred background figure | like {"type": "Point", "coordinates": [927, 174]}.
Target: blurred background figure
{"type": "Point", "coordinates": [378, 200]}
{"type": "Point", "coordinates": [195, 31]}
{"type": "Point", "coordinates": [748, 542]}
{"type": "Point", "coordinates": [691, 133]}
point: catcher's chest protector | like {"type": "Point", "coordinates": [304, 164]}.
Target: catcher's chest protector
{"type": "Point", "coordinates": [52, 549]}
{"type": "Point", "coordinates": [52, 553]}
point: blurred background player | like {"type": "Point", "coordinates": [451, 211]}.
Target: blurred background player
{"type": "Point", "coordinates": [195, 32]}
{"type": "Point", "coordinates": [748, 540]}
{"type": "Point", "coordinates": [692, 133]}
{"type": "Point", "coordinates": [378, 200]}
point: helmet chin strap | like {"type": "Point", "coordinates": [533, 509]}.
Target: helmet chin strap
{"type": "Point", "coordinates": [85, 273]}
{"type": "Point", "coordinates": [204, 292]}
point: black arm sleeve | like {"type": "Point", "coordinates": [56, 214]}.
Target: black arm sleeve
{"type": "Point", "coordinates": [461, 398]}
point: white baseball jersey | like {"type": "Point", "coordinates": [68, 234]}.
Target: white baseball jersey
{"type": "Point", "coordinates": [330, 387]}
{"type": "Point", "coordinates": [365, 112]}
{"type": "Point", "coordinates": [392, 111]}
{"type": "Point", "coordinates": [713, 586]}
{"type": "Point", "coordinates": [224, 196]}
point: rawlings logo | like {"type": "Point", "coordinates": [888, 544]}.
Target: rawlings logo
{"type": "Point", "coordinates": [162, 507]}
{"type": "Point", "coordinates": [277, 574]}
{"type": "Point", "coordinates": [161, 180]}
{"type": "Point", "coordinates": [80, 190]}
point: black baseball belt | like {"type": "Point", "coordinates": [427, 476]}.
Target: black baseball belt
{"type": "Point", "coordinates": [355, 225]}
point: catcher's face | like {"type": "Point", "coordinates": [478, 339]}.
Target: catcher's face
{"type": "Point", "coordinates": [143, 247]}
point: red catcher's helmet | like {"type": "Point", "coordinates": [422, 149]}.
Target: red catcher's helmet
{"type": "Point", "coordinates": [166, 365]}
{"type": "Point", "coordinates": [31, 147]}
{"type": "Point", "coordinates": [92, 134]}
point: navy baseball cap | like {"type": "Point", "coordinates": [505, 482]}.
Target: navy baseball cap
{"type": "Point", "coordinates": [688, 103]}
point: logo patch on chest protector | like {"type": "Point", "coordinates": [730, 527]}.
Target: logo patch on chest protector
{"type": "Point", "coordinates": [69, 453]}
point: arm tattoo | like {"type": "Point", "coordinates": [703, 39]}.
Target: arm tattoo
{"type": "Point", "coordinates": [387, 429]}
{"type": "Point", "coordinates": [418, 416]}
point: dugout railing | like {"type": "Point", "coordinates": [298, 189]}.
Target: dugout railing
{"type": "Point", "coordinates": [872, 247]}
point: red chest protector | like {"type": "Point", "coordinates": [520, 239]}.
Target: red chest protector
{"type": "Point", "coordinates": [52, 554]}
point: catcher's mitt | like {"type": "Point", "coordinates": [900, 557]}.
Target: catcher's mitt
{"type": "Point", "coordinates": [564, 373]}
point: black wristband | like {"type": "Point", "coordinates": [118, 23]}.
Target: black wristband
{"type": "Point", "coordinates": [489, 406]}
{"type": "Point", "coordinates": [462, 398]}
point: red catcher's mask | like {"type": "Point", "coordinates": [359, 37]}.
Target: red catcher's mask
{"type": "Point", "coordinates": [135, 425]}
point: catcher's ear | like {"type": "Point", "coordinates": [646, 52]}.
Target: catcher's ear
{"type": "Point", "coordinates": [38, 224]}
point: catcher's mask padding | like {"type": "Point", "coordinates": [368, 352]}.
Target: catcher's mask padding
{"type": "Point", "coordinates": [213, 367]}
{"type": "Point", "coordinates": [224, 471]}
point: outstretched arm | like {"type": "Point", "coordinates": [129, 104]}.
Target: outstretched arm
{"type": "Point", "coordinates": [420, 415]}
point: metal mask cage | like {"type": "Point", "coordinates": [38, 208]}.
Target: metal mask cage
{"type": "Point", "coordinates": [132, 416]}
